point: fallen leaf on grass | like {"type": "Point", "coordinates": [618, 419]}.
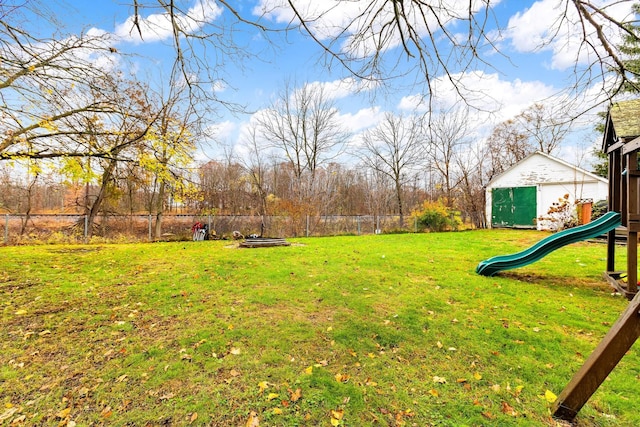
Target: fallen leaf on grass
{"type": "Point", "coordinates": [342, 378]}
{"type": "Point", "coordinates": [488, 415]}
{"type": "Point", "coordinates": [167, 396]}
{"type": "Point", "coordinates": [19, 420]}
{"type": "Point", "coordinates": [9, 413]}
{"type": "Point", "coordinates": [277, 411]}
{"type": "Point", "coordinates": [106, 412]}
{"type": "Point", "coordinates": [477, 376]}
{"type": "Point", "coordinates": [272, 396]}
{"type": "Point", "coordinates": [549, 396]}
{"type": "Point", "coordinates": [263, 385]}
{"type": "Point", "coordinates": [508, 409]}
{"type": "Point", "coordinates": [294, 396]}
{"type": "Point", "coordinates": [193, 417]}
{"type": "Point", "coordinates": [439, 380]}
{"type": "Point", "coordinates": [21, 312]}
{"type": "Point", "coordinates": [518, 390]}
{"type": "Point", "coordinates": [253, 420]}
{"type": "Point", "coordinates": [64, 413]}
{"type": "Point", "coordinates": [336, 416]}
{"type": "Point", "coordinates": [434, 393]}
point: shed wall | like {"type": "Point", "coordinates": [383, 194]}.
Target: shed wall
{"type": "Point", "coordinates": [553, 180]}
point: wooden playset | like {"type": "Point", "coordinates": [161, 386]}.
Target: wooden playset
{"type": "Point", "coordinates": [621, 143]}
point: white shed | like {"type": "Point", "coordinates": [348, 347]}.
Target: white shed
{"type": "Point", "coordinates": [525, 192]}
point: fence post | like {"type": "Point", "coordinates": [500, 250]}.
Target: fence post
{"type": "Point", "coordinates": [86, 228]}
{"type": "Point", "coordinates": [6, 229]}
{"type": "Point", "coordinates": [150, 220]}
{"type": "Point", "coordinates": [415, 224]}
{"type": "Point", "coordinates": [307, 226]}
{"type": "Point", "coordinates": [358, 221]}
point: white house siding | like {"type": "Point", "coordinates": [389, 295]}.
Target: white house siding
{"type": "Point", "coordinates": [553, 178]}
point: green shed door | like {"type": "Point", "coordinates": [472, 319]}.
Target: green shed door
{"type": "Point", "coordinates": [513, 206]}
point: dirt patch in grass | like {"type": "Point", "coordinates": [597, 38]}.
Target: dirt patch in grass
{"type": "Point", "coordinates": [76, 250]}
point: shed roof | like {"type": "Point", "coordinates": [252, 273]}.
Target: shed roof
{"type": "Point", "coordinates": [549, 158]}
{"type": "Point", "coordinates": [625, 116]}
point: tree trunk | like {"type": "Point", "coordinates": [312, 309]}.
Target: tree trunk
{"type": "Point", "coordinates": [27, 214]}
{"type": "Point", "coordinates": [94, 209]}
{"type": "Point", "coordinates": [399, 201]}
{"type": "Point", "coordinates": [157, 231]}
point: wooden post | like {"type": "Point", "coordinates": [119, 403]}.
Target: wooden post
{"type": "Point", "coordinates": [600, 363]}
{"type": "Point", "coordinates": [633, 223]}
{"type": "Point", "coordinates": [615, 204]}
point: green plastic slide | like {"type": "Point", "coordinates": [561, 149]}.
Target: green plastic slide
{"type": "Point", "coordinates": [605, 223]}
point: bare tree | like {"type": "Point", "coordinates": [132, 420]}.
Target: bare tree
{"type": "Point", "coordinates": [506, 146]}
{"type": "Point", "coordinates": [545, 127]}
{"type": "Point", "coordinates": [472, 186]}
{"type": "Point", "coordinates": [255, 162]}
{"type": "Point", "coordinates": [394, 148]}
{"type": "Point", "coordinates": [303, 125]}
{"type": "Point", "coordinates": [448, 133]}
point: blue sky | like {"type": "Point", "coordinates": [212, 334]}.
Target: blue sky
{"type": "Point", "coordinates": [522, 74]}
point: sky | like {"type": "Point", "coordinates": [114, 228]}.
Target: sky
{"type": "Point", "coordinates": [528, 67]}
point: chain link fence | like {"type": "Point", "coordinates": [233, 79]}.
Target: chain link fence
{"type": "Point", "coordinates": [69, 228]}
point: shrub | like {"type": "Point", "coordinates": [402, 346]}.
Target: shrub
{"type": "Point", "coordinates": [436, 216]}
{"type": "Point", "coordinates": [561, 215]}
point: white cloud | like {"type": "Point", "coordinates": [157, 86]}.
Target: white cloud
{"type": "Point", "coordinates": [486, 92]}
{"type": "Point", "coordinates": [158, 26]}
{"type": "Point", "coordinates": [362, 119]}
{"type": "Point", "coordinates": [561, 32]}
{"type": "Point", "coordinates": [338, 89]}
{"type": "Point", "coordinates": [222, 131]}
{"type": "Point", "coordinates": [219, 86]}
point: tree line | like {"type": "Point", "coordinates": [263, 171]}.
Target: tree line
{"type": "Point", "coordinates": [295, 160]}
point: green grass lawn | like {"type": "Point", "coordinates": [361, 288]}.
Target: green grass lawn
{"type": "Point", "coordinates": [389, 330]}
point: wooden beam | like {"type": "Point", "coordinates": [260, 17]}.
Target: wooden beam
{"type": "Point", "coordinates": [614, 147]}
{"type": "Point", "coordinates": [600, 363]}
{"type": "Point", "coordinates": [631, 146]}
